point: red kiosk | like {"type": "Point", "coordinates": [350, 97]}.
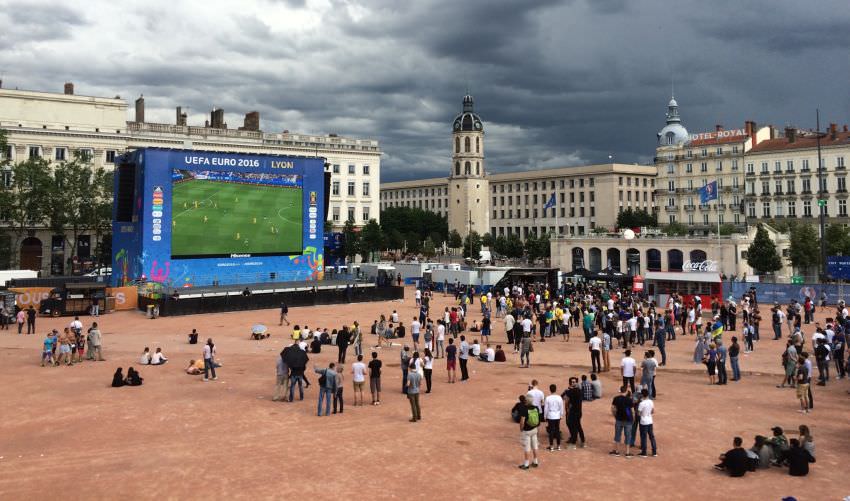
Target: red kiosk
{"type": "Point", "coordinates": [695, 279]}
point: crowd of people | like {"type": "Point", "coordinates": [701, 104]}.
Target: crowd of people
{"type": "Point", "coordinates": [530, 315]}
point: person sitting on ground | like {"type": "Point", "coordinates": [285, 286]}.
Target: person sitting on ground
{"type": "Point", "coordinates": [133, 378]}
{"type": "Point", "coordinates": [324, 337]}
{"type": "Point", "coordinates": [118, 378]}
{"type": "Point", "coordinates": [778, 445]}
{"type": "Point", "coordinates": [145, 359]}
{"type": "Point", "coordinates": [806, 440]}
{"type": "Point", "coordinates": [500, 354]}
{"type": "Point", "coordinates": [735, 461]}
{"type": "Point", "coordinates": [158, 357]}
{"type": "Point", "coordinates": [475, 348]}
{"type": "Point", "coordinates": [759, 453]}
{"type": "Point", "coordinates": [489, 354]}
{"type": "Point", "coordinates": [316, 345]}
{"type": "Point", "coordinates": [518, 408]}
{"type": "Point", "coordinates": [193, 337]}
{"type": "Point", "coordinates": [475, 327]}
{"type": "Point", "coordinates": [597, 386]}
{"type": "Point", "coordinates": [195, 368]}
{"type": "Point", "coordinates": [586, 389]}
{"type": "Point", "coordinates": [798, 459]}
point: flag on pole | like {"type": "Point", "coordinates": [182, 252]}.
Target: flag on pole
{"type": "Point", "coordinates": [550, 203]}
{"type": "Point", "coordinates": [708, 192]}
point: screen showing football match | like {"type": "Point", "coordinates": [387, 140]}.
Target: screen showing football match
{"type": "Point", "coordinates": [222, 213]}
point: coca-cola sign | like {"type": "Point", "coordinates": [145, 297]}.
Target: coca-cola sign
{"type": "Point", "coordinates": [707, 265]}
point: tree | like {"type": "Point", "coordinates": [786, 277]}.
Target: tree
{"type": "Point", "coordinates": [24, 200]}
{"type": "Point", "coordinates": [675, 229]}
{"type": "Point", "coordinates": [513, 246]}
{"type": "Point", "coordinates": [633, 218]}
{"type": "Point", "coordinates": [805, 247]}
{"type": "Point", "coordinates": [487, 240]}
{"type": "Point", "coordinates": [537, 247]}
{"type": "Point", "coordinates": [413, 243]}
{"type": "Point", "coordinates": [727, 229]}
{"type": "Point", "coordinates": [472, 245]}
{"type": "Point", "coordinates": [371, 239]}
{"type": "Point", "coordinates": [762, 255]}
{"type": "Point", "coordinates": [454, 240]}
{"type": "Point", "coordinates": [350, 240]}
{"type": "Point", "coordinates": [408, 220]}
{"type": "Point", "coordinates": [395, 240]}
{"type": "Point", "coordinates": [837, 240]}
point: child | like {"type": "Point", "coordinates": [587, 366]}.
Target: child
{"type": "Point", "coordinates": [596, 384]}
{"type": "Point", "coordinates": [47, 353]}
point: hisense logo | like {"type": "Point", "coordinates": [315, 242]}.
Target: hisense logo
{"type": "Point", "coordinates": [240, 255]}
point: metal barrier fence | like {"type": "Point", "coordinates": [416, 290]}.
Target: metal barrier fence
{"type": "Point", "coordinates": [784, 293]}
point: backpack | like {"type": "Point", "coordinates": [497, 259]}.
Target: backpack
{"type": "Point", "coordinates": [533, 419]}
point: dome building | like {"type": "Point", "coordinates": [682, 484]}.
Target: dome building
{"type": "Point", "coordinates": [468, 184]}
{"type": "Point", "coordinates": [674, 133]}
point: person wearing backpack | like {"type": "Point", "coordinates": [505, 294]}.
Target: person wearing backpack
{"type": "Point", "coordinates": [327, 387]}
{"type": "Point", "coordinates": [529, 420]}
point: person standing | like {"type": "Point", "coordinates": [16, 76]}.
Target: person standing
{"type": "Point", "coordinates": [606, 351]}
{"type": "Point", "coordinates": [4, 317]}
{"type": "Point", "coordinates": [357, 339]}
{"type": "Point", "coordinates": [621, 409]}
{"type": "Point", "coordinates": [838, 342]}
{"type": "Point", "coordinates": [627, 370]}
{"type": "Point", "coordinates": [405, 366]}
{"type": "Point", "coordinates": [595, 346]}
{"type": "Point", "coordinates": [572, 400]}
{"type": "Point", "coordinates": [441, 339]}
{"type": "Point", "coordinates": [358, 376]}
{"type": "Point", "coordinates": [722, 353]}
{"type": "Point", "coordinates": [451, 360]}
{"type": "Point", "coordinates": [464, 359]}
{"type": "Point", "coordinates": [95, 342]}
{"type": "Point", "coordinates": [529, 420]}
{"type": "Point", "coordinates": [31, 314]}
{"type": "Point", "coordinates": [327, 387]}
{"type": "Point", "coordinates": [209, 360]}
{"type": "Point", "coordinates": [509, 327]}
{"type": "Point", "coordinates": [428, 369]}
{"type": "Point", "coordinates": [21, 317]}
{"type": "Point", "coordinates": [375, 378]}
{"type": "Point", "coordinates": [553, 410]}
{"type": "Point", "coordinates": [338, 391]}
{"type": "Point", "coordinates": [646, 408]}
{"type": "Point", "coordinates": [342, 340]}
{"type": "Point", "coordinates": [415, 330]}
{"type": "Point", "coordinates": [647, 373]}
{"type": "Point", "coordinates": [660, 341]}
{"type": "Point", "coordinates": [525, 349]}
{"type": "Point", "coordinates": [734, 351]}
{"type": "Point", "coordinates": [412, 390]}
{"type": "Point", "coordinates": [282, 378]}
{"type": "Point", "coordinates": [803, 386]}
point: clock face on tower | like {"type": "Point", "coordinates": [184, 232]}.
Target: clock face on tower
{"type": "Point", "coordinates": [457, 125]}
{"type": "Point", "coordinates": [477, 125]}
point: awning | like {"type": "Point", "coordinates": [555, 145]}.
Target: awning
{"type": "Point", "coordinates": [685, 276]}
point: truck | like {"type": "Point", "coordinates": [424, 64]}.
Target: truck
{"type": "Point", "coordinates": [484, 257]}
{"type": "Point", "coordinates": [75, 299]}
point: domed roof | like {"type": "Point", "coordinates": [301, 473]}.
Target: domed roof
{"type": "Point", "coordinates": [674, 133]}
{"type": "Point", "coordinates": [468, 120]}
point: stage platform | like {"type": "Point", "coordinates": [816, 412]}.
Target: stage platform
{"type": "Point", "coordinates": [197, 300]}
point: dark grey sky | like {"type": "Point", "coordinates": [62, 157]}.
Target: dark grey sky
{"type": "Point", "coordinates": [557, 83]}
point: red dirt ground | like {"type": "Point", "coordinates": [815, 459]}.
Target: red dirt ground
{"type": "Point", "coordinates": [65, 430]}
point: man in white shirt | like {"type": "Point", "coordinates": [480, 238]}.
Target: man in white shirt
{"type": "Point", "coordinates": [358, 375]}
{"type": "Point", "coordinates": [415, 329]}
{"type": "Point", "coordinates": [418, 296]}
{"type": "Point", "coordinates": [627, 370]}
{"type": "Point", "coordinates": [553, 410]}
{"type": "Point", "coordinates": [509, 327]}
{"type": "Point", "coordinates": [441, 339]}
{"type": "Point", "coordinates": [596, 352]}
{"type": "Point", "coordinates": [537, 396]}
{"type": "Point", "coordinates": [646, 408]}
{"type": "Point", "coordinates": [158, 357]}
{"type": "Point", "coordinates": [394, 317]}
{"type": "Point", "coordinates": [489, 354]}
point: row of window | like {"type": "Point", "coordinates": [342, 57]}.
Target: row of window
{"type": "Point", "coordinates": [60, 153]}
{"type": "Point", "coordinates": [533, 213]}
{"type": "Point", "coordinates": [736, 219]}
{"type": "Point", "coordinates": [467, 146]}
{"type": "Point", "coordinates": [352, 214]}
{"type": "Point", "coordinates": [790, 186]}
{"type": "Point", "coordinates": [352, 169]}
{"type": "Point", "coordinates": [789, 166]}
{"type": "Point", "coordinates": [439, 203]}
{"type": "Point", "coordinates": [524, 231]}
{"type": "Point", "coordinates": [671, 202]}
{"type": "Point", "coordinates": [689, 184]}
{"type": "Point", "coordinates": [703, 167]}
{"type": "Point", "coordinates": [352, 188]}
{"type": "Point", "coordinates": [397, 194]}
{"type": "Point", "coordinates": [788, 208]}
{"type": "Point", "coordinates": [649, 182]}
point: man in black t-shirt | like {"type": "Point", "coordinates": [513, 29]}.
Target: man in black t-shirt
{"type": "Point", "coordinates": [375, 378]}
{"type": "Point", "coordinates": [572, 401]}
{"type": "Point", "coordinates": [735, 461]}
{"type": "Point", "coordinates": [621, 409]}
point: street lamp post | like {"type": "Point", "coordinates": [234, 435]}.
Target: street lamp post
{"type": "Point", "coordinates": [821, 200]}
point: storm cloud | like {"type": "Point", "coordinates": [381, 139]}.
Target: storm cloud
{"type": "Point", "coordinates": [557, 83]}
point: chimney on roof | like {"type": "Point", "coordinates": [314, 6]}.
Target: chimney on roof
{"type": "Point", "coordinates": [181, 116]}
{"type": "Point", "coordinates": [140, 109]}
{"type": "Point", "coordinates": [791, 134]}
{"type": "Point", "coordinates": [69, 89]}
{"type": "Point", "coordinates": [833, 131]}
{"type": "Point", "coordinates": [718, 128]}
{"type": "Point", "coordinates": [217, 119]}
{"type": "Point", "coordinates": [252, 121]}
{"type": "Point", "coordinates": [772, 131]}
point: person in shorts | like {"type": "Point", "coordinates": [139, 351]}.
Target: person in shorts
{"type": "Point", "coordinates": [451, 360]}
{"type": "Point", "coordinates": [358, 376]}
{"type": "Point", "coordinates": [622, 409]}
{"type": "Point", "coordinates": [529, 420]}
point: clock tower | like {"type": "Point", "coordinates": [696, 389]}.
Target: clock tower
{"type": "Point", "coordinates": [469, 206]}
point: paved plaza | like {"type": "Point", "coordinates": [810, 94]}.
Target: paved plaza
{"type": "Point", "coordinates": [65, 430]}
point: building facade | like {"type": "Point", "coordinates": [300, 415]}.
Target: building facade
{"type": "Point", "coordinates": [662, 253]}
{"type": "Point", "coordinates": [687, 162]}
{"type": "Point", "coordinates": [517, 202]}
{"type": "Point", "coordinates": [783, 180]}
{"type": "Point", "coordinates": [54, 126]}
